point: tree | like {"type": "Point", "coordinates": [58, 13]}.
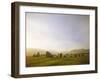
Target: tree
{"type": "Point", "coordinates": [48, 54]}
{"type": "Point", "coordinates": [38, 54]}
{"type": "Point", "coordinates": [60, 55]}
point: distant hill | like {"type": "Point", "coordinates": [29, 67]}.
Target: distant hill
{"type": "Point", "coordinates": [78, 51]}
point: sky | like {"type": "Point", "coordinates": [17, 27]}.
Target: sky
{"type": "Point", "coordinates": [58, 32]}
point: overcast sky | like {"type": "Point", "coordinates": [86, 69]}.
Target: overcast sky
{"type": "Point", "coordinates": [57, 32]}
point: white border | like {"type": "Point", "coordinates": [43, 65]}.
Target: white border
{"type": "Point", "coordinates": [53, 69]}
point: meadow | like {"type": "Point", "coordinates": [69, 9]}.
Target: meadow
{"type": "Point", "coordinates": [49, 59]}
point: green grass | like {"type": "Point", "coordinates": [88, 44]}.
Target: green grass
{"type": "Point", "coordinates": [32, 61]}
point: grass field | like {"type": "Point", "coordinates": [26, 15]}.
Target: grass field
{"type": "Point", "coordinates": [69, 59]}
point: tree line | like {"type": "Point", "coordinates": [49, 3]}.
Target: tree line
{"type": "Point", "coordinates": [60, 55]}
